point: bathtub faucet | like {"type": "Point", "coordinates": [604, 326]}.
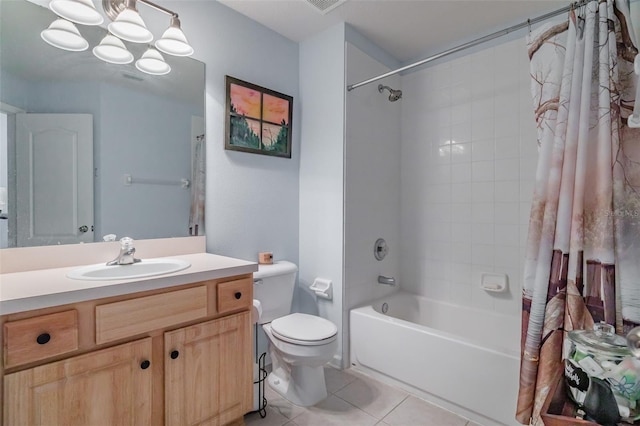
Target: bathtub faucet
{"type": "Point", "coordinates": [386, 280]}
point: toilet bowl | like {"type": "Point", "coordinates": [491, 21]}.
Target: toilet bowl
{"type": "Point", "coordinates": [299, 344]}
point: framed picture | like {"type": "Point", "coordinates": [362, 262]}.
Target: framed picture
{"type": "Point", "coordinates": [258, 120]}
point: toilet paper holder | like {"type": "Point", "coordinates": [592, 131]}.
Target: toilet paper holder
{"type": "Point", "coordinates": [323, 288]}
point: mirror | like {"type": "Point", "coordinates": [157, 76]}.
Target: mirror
{"type": "Point", "coordinates": [146, 135]}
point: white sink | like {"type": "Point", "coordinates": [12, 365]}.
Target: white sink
{"type": "Point", "coordinates": [142, 269]}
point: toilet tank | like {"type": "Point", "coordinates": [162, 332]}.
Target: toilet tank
{"type": "Point", "coordinates": [273, 286]}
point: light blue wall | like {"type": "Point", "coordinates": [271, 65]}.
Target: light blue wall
{"type": "Point", "coordinates": [149, 137]}
{"type": "Point", "coordinates": [14, 91]}
{"type": "Point", "coordinates": [252, 200]}
{"type": "Point", "coordinates": [322, 87]}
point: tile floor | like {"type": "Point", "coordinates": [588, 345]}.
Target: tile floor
{"type": "Point", "coordinates": [356, 400]}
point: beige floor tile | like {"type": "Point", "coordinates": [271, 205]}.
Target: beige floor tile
{"type": "Point", "coordinates": [337, 379]}
{"type": "Point", "coordinates": [416, 412]}
{"type": "Point", "coordinates": [281, 405]}
{"type": "Point", "coordinates": [371, 396]}
{"type": "Point", "coordinates": [472, 423]}
{"type": "Point", "coordinates": [273, 418]}
{"type": "Point", "coordinates": [334, 411]}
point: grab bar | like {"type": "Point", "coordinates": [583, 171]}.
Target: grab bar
{"type": "Point", "coordinates": [386, 280]}
{"type": "Point", "coordinates": [130, 180]}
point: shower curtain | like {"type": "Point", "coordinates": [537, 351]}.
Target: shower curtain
{"type": "Point", "coordinates": [196, 215]}
{"type": "Point", "coordinates": [582, 260]}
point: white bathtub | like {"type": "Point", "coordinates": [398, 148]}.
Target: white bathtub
{"type": "Point", "coordinates": [463, 359]}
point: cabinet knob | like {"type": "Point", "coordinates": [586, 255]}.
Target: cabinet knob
{"type": "Point", "coordinates": [43, 338]}
{"type": "Point", "coordinates": [174, 354]}
{"type": "Point", "coordinates": [238, 295]}
{"type": "Point", "coordinates": [145, 364]}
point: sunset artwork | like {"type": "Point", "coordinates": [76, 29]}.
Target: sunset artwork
{"type": "Point", "coordinates": [258, 119]}
{"type": "Point", "coordinates": [246, 101]}
{"type": "Point", "coordinates": [275, 110]}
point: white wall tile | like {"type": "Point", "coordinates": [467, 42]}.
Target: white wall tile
{"type": "Point", "coordinates": [482, 150]}
{"type": "Point", "coordinates": [482, 254]}
{"type": "Point", "coordinates": [524, 234]}
{"type": "Point", "coordinates": [508, 169]}
{"type": "Point", "coordinates": [506, 257]}
{"type": "Point", "coordinates": [527, 168]}
{"type": "Point", "coordinates": [507, 213]}
{"type": "Point", "coordinates": [525, 213]}
{"type": "Point", "coordinates": [482, 213]}
{"type": "Point", "coordinates": [507, 191]}
{"type": "Point", "coordinates": [507, 235]}
{"type": "Point", "coordinates": [460, 71]}
{"type": "Point", "coordinates": [461, 132]}
{"type": "Point", "coordinates": [482, 233]}
{"type": "Point", "coordinates": [461, 252]}
{"type": "Point", "coordinates": [482, 171]}
{"type": "Point", "coordinates": [461, 233]}
{"type": "Point", "coordinates": [526, 190]}
{"type": "Point", "coordinates": [461, 192]}
{"type": "Point", "coordinates": [507, 146]}
{"type": "Point", "coordinates": [482, 192]}
{"type": "Point", "coordinates": [460, 293]}
{"type": "Point", "coordinates": [440, 213]}
{"type": "Point", "coordinates": [460, 172]}
{"type": "Point", "coordinates": [438, 289]}
{"type": "Point", "coordinates": [466, 216]}
{"type": "Point", "coordinates": [461, 213]}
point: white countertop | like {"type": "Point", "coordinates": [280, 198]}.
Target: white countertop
{"type": "Point", "coordinates": [25, 291]}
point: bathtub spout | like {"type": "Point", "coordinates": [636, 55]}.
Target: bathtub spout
{"type": "Point", "coordinates": [387, 280]}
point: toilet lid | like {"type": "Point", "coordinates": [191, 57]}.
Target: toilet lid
{"type": "Point", "coordinates": [303, 328]}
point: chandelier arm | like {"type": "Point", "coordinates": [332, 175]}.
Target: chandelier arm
{"type": "Point", "coordinates": [112, 8]}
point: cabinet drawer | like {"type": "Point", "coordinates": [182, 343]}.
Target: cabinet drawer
{"type": "Point", "coordinates": [234, 295]}
{"type": "Point", "coordinates": [40, 337]}
{"type": "Point", "coordinates": [119, 320]}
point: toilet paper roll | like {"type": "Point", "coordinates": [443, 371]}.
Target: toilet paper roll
{"type": "Point", "coordinates": [256, 311]}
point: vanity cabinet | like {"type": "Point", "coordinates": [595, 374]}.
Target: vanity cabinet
{"type": "Point", "coordinates": [178, 356]}
{"type": "Point", "coordinates": [205, 374]}
{"type": "Point", "coordinates": [107, 387]}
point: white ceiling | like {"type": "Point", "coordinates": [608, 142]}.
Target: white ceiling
{"type": "Point", "coordinates": [405, 29]}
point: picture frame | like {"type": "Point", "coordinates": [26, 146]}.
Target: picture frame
{"type": "Point", "coordinates": [257, 119]}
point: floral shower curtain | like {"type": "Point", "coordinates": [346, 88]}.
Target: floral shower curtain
{"type": "Point", "coordinates": [196, 215]}
{"type": "Point", "coordinates": [582, 260]}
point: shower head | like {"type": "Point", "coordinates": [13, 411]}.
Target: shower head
{"type": "Point", "coordinates": [394, 95]}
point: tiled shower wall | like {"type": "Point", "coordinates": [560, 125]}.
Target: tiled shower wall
{"type": "Point", "coordinates": [372, 184]}
{"type": "Point", "coordinates": [468, 163]}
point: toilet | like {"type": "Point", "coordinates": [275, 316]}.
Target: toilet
{"type": "Point", "coordinates": [299, 344]}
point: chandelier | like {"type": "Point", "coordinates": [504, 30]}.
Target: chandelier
{"type": "Point", "coordinates": [127, 24]}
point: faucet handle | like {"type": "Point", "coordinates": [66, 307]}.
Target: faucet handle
{"type": "Point", "coordinates": [126, 242]}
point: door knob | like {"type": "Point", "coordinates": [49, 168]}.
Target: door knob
{"type": "Point", "coordinates": [83, 228]}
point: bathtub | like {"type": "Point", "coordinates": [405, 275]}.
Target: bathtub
{"type": "Point", "coordinates": [464, 359]}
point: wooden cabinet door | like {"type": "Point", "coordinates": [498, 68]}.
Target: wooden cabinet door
{"type": "Point", "coordinates": [107, 387]}
{"type": "Point", "coordinates": [208, 372]}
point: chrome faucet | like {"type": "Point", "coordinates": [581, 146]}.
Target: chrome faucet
{"type": "Point", "coordinates": [387, 280]}
{"type": "Point", "coordinates": [126, 255]}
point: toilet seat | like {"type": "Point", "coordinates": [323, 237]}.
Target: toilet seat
{"type": "Point", "coordinates": [304, 329]}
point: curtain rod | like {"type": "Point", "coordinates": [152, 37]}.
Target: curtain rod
{"type": "Point", "coordinates": [472, 43]}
